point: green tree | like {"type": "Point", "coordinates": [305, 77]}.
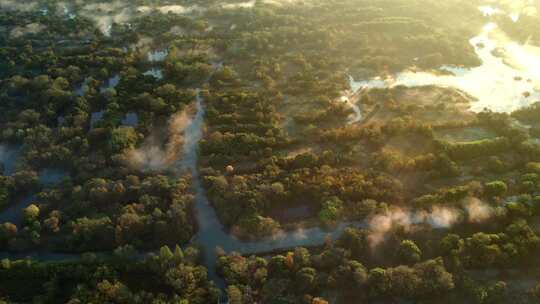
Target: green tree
{"type": "Point", "coordinates": [306, 279]}
{"type": "Point", "coordinates": [31, 212]}
{"type": "Point", "coordinates": [496, 188]}
{"type": "Point", "coordinates": [235, 295]}
{"type": "Point", "coordinates": [122, 138]}
{"type": "Point", "coordinates": [378, 282]}
{"type": "Point", "coordinates": [409, 252]}
{"type": "Point", "coordinates": [331, 210]}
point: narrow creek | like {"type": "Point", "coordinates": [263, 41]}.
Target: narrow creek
{"type": "Point", "coordinates": [212, 234]}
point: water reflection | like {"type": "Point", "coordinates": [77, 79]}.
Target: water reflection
{"type": "Point", "coordinates": [488, 10]}
{"type": "Point", "coordinates": [110, 84]}
{"type": "Point", "coordinates": [51, 176]}
{"type": "Point", "coordinates": [8, 158]}
{"type": "Point", "coordinates": [357, 115]}
{"type": "Point", "coordinates": [14, 213]}
{"type": "Point", "coordinates": [131, 120]}
{"type": "Point", "coordinates": [95, 117]}
{"type": "Point", "coordinates": [157, 56]}
{"type": "Point", "coordinates": [496, 84]}
{"type": "Point", "coordinates": [60, 120]}
{"type": "Point", "coordinates": [80, 91]}
{"type": "Point", "coordinates": [154, 72]}
{"type": "Point", "coordinates": [40, 256]}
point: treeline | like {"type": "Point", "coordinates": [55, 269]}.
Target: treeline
{"type": "Point", "coordinates": [171, 276]}
{"type": "Point", "coordinates": [421, 270]}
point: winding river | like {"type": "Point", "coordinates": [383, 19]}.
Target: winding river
{"type": "Point", "coordinates": [212, 234]}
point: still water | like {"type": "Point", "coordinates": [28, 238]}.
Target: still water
{"type": "Point", "coordinates": [501, 83]}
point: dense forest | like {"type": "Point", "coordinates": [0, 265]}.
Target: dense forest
{"type": "Point", "coordinates": [104, 178]}
{"type": "Point", "coordinates": [171, 276]}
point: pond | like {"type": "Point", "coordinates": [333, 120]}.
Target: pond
{"type": "Point", "coordinates": [8, 158]}
{"type": "Point", "coordinates": [51, 176]}
{"type": "Point", "coordinates": [95, 117]}
{"type": "Point", "coordinates": [157, 55]}
{"type": "Point", "coordinates": [110, 84]}
{"type": "Point", "coordinates": [130, 120]}
{"type": "Point", "coordinates": [14, 212]}
{"type": "Point", "coordinates": [80, 91]}
{"type": "Point", "coordinates": [154, 72]}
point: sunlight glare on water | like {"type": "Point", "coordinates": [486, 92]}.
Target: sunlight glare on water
{"type": "Point", "coordinates": [495, 84]}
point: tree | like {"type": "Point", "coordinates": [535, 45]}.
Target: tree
{"type": "Point", "coordinates": [25, 180]}
{"type": "Point", "coordinates": [8, 231]}
{"type": "Point", "coordinates": [125, 253]}
{"type": "Point", "coordinates": [302, 257]}
{"type": "Point", "coordinates": [113, 292]}
{"type": "Point", "coordinates": [52, 224]}
{"type": "Point", "coordinates": [165, 253]}
{"type": "Point", "coordinates": [449, 243]}
{"type": "Point", "coordinates": [235, 295]}
{"type": "Point", "coordinates": [483, 249]}
{"type": "Point", "coordinates": [258, 225]}
{"type": "Point", "coordinates": [331, 210]}
{"type": "Point", "coordinates": [408, 252]}
{"type": "Point", "coordinates": [496, 165]}
{"type": "Point", "coordinates": [404, 281]}
{"type": "Point", "coordinates": [378, 281]}
{"type": "Point", "coordinates": [356, 241]}
{"type": "Point", "coordinates": [278, 188]}
{"type": "Point", "coordinates": [306, 279]}
{"type": "Point", "coordinates": [496, 188]}
{"type": "Point", "coordinates": [178, 254]}
{"type": "Point", "coordinates": [435, 278]}
{"type": "Point", "coordinates": [497, 293]}
{"type": "Point", "coordinates": [96, 233]}
{"type": "Point", "coordinates": [277, 266]}
{"type": "Point", "coordinates": [225, 74]}
{"type": "Point", "coordinates": [351, 276]}
{"type": "Point", "coordinates": [31, 212]}
{"type": "Point", "coordinates": [122, 138]}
